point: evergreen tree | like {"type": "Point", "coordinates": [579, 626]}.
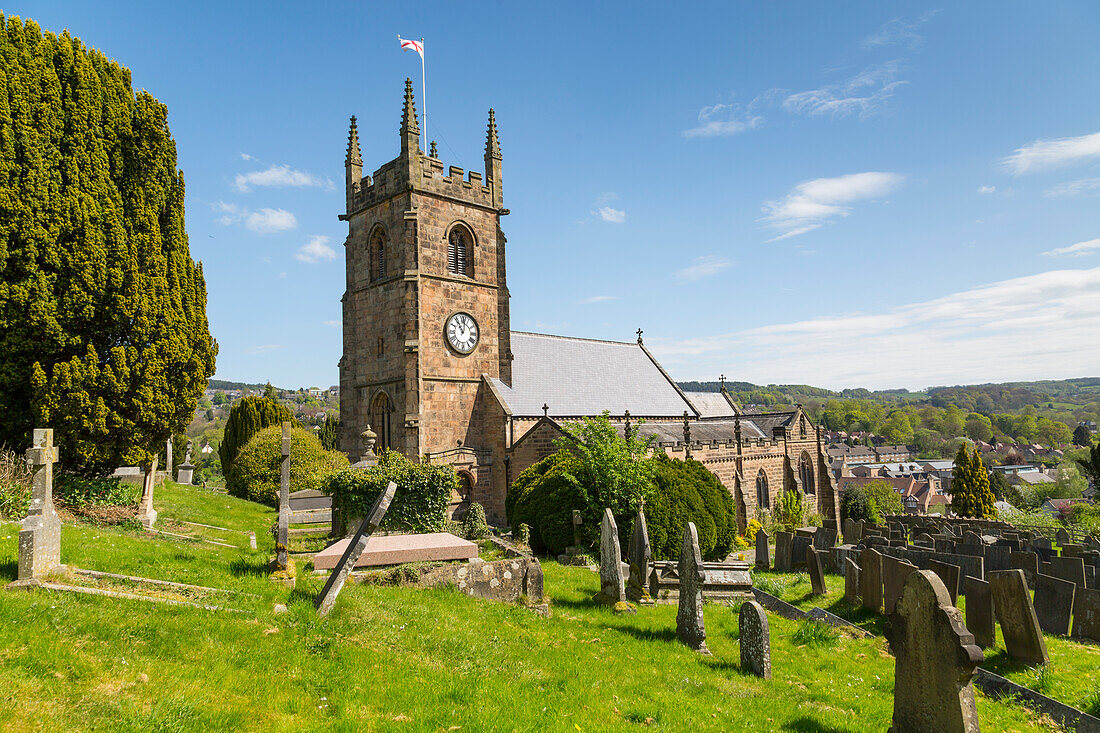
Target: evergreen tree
{"type": "Point", "coordinates": [103, 330]}
{"type": "Point", "coordinates": [962, 489]}
{"type": "Point", "coordinates": [269, 391]}
{"type": "Point", "coordinates": [983, 492]}
{"type": "Point", "coordinates": [330, 433]}
{"type": "Point", "coordinates": [1082, 436]}
{"type": "Point", "coordinates": [249, 416]}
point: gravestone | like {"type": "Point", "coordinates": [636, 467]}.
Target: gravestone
{"type": "Point", "coordinates": [1071, 549]}
{"type": "Point", "coordinates": [1054, 603]}
{"type": "Point", "coordinates": [1071, 569]}
{"type": "Point", "coordinates": [689, 612]}
{"type": "Point", "coordinates": [40, 530]}
{"type": "Point", "coordinates": [1026, 561]}
{"type": "Point", "coordinates": [640, 555]}
{"type": "Point", "coordinates": [997, 558]}
{"type": "Point", "coordinates": [1042, 543]}
{"type": "Point", "coordinates": [824, 538]}
{"type": "Point", "coordinates": [755, 640]}
{"type": "Point", "coordinates": [851, 581]}
{"type": "Point", "coordinates": [848, 531]}
{"type": "Point", "coordinates": [282, 538]}
{"type": "Point", "coordinates": [1061, 536]}
{"type": "Point", "coordinates": [1086, 618]}
{"type": "Point", "coordinates": [611, 562]}
{"type": "Point", "coordinates": [783, 542]}
{"type": "Point", "coordinates": [894, 574]}
{"type": "Point", "coordinates": [935, 660]}
{"type": "Point", "coordinates": [147, 515]}
{"type": "Point", "coordinates": [949, 574]}
{"type": "Point", "coordinates": [816, 571]}
{"type": "Point", "coordinates": [870, 579]}
{"type": "Point", "coordinates": [168, 460]}
{"type": "Point", "coordinates": [762, 560]}
{"type": "Point", "coordinates": [943, 545]}
{"type": "Point", "coordinates": [327, 597]}
{"type": "Point", "coordinates": [798, 548]}
{"type": "Point", "coordinates": [1016, 615]}
{"type": "Point", "coordinates": [971, 538]}
{"type": "Point", "coordinates": [979, 611]}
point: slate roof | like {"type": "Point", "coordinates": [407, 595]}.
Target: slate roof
{"type": "Point", "coordinates": [701, 430]}
{"type": "Point", "coordinates": [711, 404]}
{"type": "Point", "coordinates": [768, 421]}
{"type": "Point", "coordinates": [577, 377]}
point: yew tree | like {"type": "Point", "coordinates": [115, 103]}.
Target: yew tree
{"type": "Point", "coordinates": [103, 329]}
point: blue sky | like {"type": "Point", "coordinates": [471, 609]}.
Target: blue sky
{"type": "Point", "coordinates": [861, 194]}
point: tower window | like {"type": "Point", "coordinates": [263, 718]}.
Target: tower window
{"type": "Point", "coordinates": [459, 251]}
{"type": "Point", "coordinates": [377, 251]}
{"type": "Point", "coordinates": [380, 346]}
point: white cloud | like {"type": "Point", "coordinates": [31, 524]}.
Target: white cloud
{"type": "Point", "coordinates": [246, 156]}
{"type": "Point", "coordinates": [270, 221]}
{"type": "Point", "coordinates": [1080, 187]}
{"type": "Point", "coordinates": [974, 336]}
{"type": "Point", "coordinates": [1046, 154]}
{"type": "Point", "coordinates": [316, 250]}
{"type": "Point", "coordinates": [596, 299]}
{"type": "Point", "coordinates": [899, 31]}
{"type": "Point", "coordinates": [1078, 250]}
{"type": "Point", "coordinates": [279, 175]}
{"type": "Point", "coordinates": [721, 120]}
{"type": "Point", "coordinates": [984, 190]}
{"type": "Point", "coordinates": [615, 216]}
{"type": "Point", "coordinates": [864, 94]}
{"type": "Point", "coordinates": [263, 348]}
{"type": "Point", "coordinates": [703, 267]}
{"type": "Point", "coordinates": [814, 203]}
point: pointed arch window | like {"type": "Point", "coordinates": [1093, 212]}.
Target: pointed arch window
{"type": "Point", "coordinates": [381, 416]}
{"type": "Point", "coordinates": [460, 251]}
{"type": "Point", "coordinates": [762, 489]}
{"type": "Point", "coordinates": [377, 250]}
{"type": "Point", "coordinates": [806, 474]}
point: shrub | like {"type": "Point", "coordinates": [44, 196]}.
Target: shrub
{"type": "Point", "coordinates": [790, 511]}
{"type": "Point", "coordinates": [474, 526]}
{"type": "Point", "coordinates": [255, 472]}
{"type": "Point", "coordinates": [543, 497]}
{"type": "Point", "coordinates": [685, 491]}
{"type": "Point", "coordinates": [79, 492]}
{"type": "Point", "coordinates": [753, 527]}
{"type": "Point", "coordinates": [420, 503]}
{"type": "Point", "coordinates": [855, 505]}
{"type": "Point", "coordinates": [15, 485]}
{"type": "Point", "coordinates": [523, 535]}
{"type": "Point", "coordinates": [247, 418]}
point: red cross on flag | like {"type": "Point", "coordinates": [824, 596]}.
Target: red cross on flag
{"type": "Point", "coordinates": [417, 46]}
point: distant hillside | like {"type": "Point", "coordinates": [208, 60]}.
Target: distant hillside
{"type": "Point", "coordinates": [223, 384]}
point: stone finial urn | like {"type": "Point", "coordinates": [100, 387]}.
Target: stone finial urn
{"type": "Point", "coordinates": [369, 438]}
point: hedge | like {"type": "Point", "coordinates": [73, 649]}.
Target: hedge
{"type": "Point", "coordinates": [256, 470]}
{"type": "Point", "coordinates": [543, 497]}
{"type": "Point", "coordinates": [420, 504]}
{"type": "Point", "coordinates": [685, 491]}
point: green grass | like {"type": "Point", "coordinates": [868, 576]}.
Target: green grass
{"type": "Point", "coordinates": [398, 658]}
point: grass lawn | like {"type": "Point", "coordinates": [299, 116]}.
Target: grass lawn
{"type": "Point", "coordinates": [1072, 676]}
{"type": "Point", "coordinates": [396, 658]}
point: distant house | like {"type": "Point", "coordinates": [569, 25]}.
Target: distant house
{"type": "Point", "coordinates": [334, 390]}
{"type": "Point", "coordinates": [1028, 478]}
{"type": "Point", "coordinates": [1060, 508]}
{"type": "Point", "coordinates": [314, 391]}
{"type": "Point", "coordinates": [889, 453]}
{"type": "Point", "coordinates": [918, 495]}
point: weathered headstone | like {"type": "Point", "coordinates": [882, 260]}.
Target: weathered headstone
{"type": "Point", "coordinates": [798, 548]}
{"type": "Point", "coordinates": [870, 579]}
{"type": "Point", "coordinates": [824, 538]}
{"type": "Point", "coordinates": [640, 555]}
{"type": "Point", "coordinates": [971, 538]}
{"type": "Point", "coordinates": [894, 574]}
{"type": "Point", "coordinates": [40, 531]}
{"type": "Point", "coordinates": [1086, 619]}
{"type": "Point", "coordinates": [1071, 569]}
{"type": "Point", "coordinates": [851, 581]}
{"type": "Point", "coordinates": [979, 611]}
{"type": "Point", "coordinates": [755, 640]}
{"type": "Point", "coordinates": [1054, 603]}
{"type": "Point", "coordinates": [1061, 536]}
{"type": "Point", "coordinates": [282, 537]}
{"type": "Point", "coordinates": [1026, 561]}
{"type": "Point", "coordinates": [1016, 615]}
{"type": "Point", "coordinates": [783, 542]}
{"type": "Point", "coordinates": [762, 560]}
{"type": "Point", "coordinates": [997, 558]}
{"type": "Point", "coordinates": [611, 562]}
{"type": "Point", "coordinates": [816, 571]}
{"type": "Point", "coordinates": [578, 520]}
{"type": "Point", "coordinates": [327, 597]}
{"type": "Point", "coordinates": [936, 657]}
{"type": "Point", "coordinates": [689, 613]}
{"type": "Point", "coordinates": [949, 574]}
{"type": "Point", "coordinates": [168, 460]}
{"type": "Point", "coordinates": [147, 515]}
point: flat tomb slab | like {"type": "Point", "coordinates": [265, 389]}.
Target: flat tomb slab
{"type": "Point", "coordinates": [399, 548]}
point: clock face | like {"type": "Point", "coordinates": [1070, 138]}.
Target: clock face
{"type": "Point", "coordinates": [461, 332]}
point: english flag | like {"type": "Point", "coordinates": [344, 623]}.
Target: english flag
{"type": "Point", "coordinates": [417, 46]}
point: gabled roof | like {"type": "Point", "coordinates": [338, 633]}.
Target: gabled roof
{"type": "Point", "coordinates": [711, 404]}
{"type": "Point", "coordinates": [768, 421]}
{"type": "Point", "coordinates": [701, 430]}
{"type": "Point", "coordinates": [577, 377]}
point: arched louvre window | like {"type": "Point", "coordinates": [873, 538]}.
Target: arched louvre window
{"type": "Point", "coordinates": [459, 250]}
{"type": "Point", "coordinates": [762, 489]}
{"type": "Point", "coordinates": [377, 254]}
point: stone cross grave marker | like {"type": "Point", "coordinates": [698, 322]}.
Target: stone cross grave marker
{"type": "Point", "coordinates": [689, 612]}
{"type": "Point", "coordinates": [763, 562]}
{"type": "Point", "coordinates": [1016, 615]}
{"type": "Point", "coordinates": [949, 574]}
{"type": "Point", "coordinates": [936, 657]}
{"type": "Point", "coordinates": [147, 515]}
{"type": "Point", "coordinates": [611, 562]}
{"type": "Point", "coordinates": [870, 579]}
{"type": "Point", "coordinates": [40, 532]}
{"type": "Point", "coordinates": [282, 538]}
{"type": "Point", "coordinates": [783, 541]}
{"type": "Point", "coordinates": [755, 640]}
{"type": "Point", "coordinates": [816, 571]}
{"type": "Point", "coordinates": [851, 581]}
{"type": "Point", "coordinates": [640, 555]}
{"type": "Point", "coordinates": [1054, 601]}
{"type": "Point", "coordinates": [327, 597]}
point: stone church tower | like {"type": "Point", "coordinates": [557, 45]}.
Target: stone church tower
{"type": "Point", "coordinates": [425, 312]}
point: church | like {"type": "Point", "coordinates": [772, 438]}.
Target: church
{"type": "Point", "coordinates": [431, 365]}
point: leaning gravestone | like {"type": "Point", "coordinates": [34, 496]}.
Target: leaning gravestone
{"type": "Point", "coordinates": [870, 580]}
{"type": "Point", "coordinates": [936, 657]}
{"type": "Point", "coordinates": [755, 640]}
{"type": "Point", "coordinates": [949, 574]}
{"type": "Point", "coordinates": [979, 611]}
{"type": "Point", "coordinates": [611, 562]}
{"type": "Point", "coordinates": [640, 555]}
{"type": "Point", "coordinates": [327, 597]}
{"type": "Point", "coordinates": [783, 541]}
{"type": "Point", "coordinates": [1016, 615]}
{"type": "Point", "coordinates": [816, 571]}
{"type": "Point", "coordinates": [894, 574]}
{"type": "Point", "coordinates": [40, 532]}
{"type": "Point", "coordinates": [1054, 603]}
{"type": "Point", "coordinates": [689, 613]}
{"type": "Point", "coordinates": [762, 561]}
{"type": "Point", "coordinates": [851, 581]}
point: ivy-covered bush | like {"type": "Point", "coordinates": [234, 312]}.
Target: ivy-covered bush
{"type": "Point", "coordinates": [543, 497]}
{"type": "Point", "coordinates": [256, 469]}
{"type": "Point", "coordinates": [685, 491]}
{"type": "Point", "coordinates": [79, 491]}
{"type": "Point", "coordinates": [419, 505]}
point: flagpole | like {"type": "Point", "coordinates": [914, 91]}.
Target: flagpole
{"type": "Point", "coordinates": [424, 90]}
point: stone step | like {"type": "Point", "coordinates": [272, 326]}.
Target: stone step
{"type": "Point", "coordinates": [311, 516]}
